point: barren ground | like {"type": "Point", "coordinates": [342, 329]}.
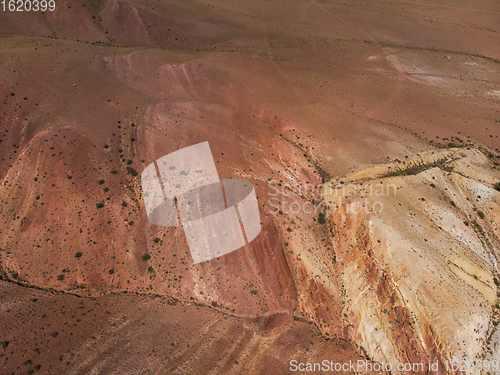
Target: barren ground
{"type": "Point", "coordinates": [403, 95]}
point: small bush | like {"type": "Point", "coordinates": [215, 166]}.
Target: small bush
{"type": "Point", "coordinates": [101, 181]}
{"type": "Point", "coordinates": [129, 162]}
{"type": "Point", "coordinates": [495, 280]}
{"type": "Point", "coordinates": [145, 257]}
{"type": "Point", "coordinates": [78, 254]}
{"type": "Point", "coordinates": [497, 186]}
{"type": "Point", "coordinates": [124, 204]}
{"type": "Point", "coordinates": [321, 218]}
{"type": "Point", "coordinates": [54, 334]}
{"type": "Point", "coordinates": [114, 172]}
{"type": "Point", "coordinates": [106, 189]}
{"type": "Point", "coordinates": [481, 214]}
{"type": "Point", "coordinates": [60, 277]}
{"type": "Point", "coordinates": [453, 204]}
{"type": "Point", "coordinates": [132, 171]}
{"type": "Point", "coordinates": [100, 205]}
{"type": "Point", "coordinates": [156, 240]}
{"type": "Point", "coordinates": [4, 344]}
{"type": "Point", "coordinates": [214, 304]}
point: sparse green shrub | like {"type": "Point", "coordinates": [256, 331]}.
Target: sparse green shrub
{"type": "Point", "coordinates": [497, 186]}
{"type": "Point", "coordinates": [60, 277]}
{"type": "Point", "coordinates": [214, 304]}
{"type": "Point", "coordinates": [321, 218]}
{"type": "Point", "coordinates": [150, 269]}
{"type": "Point", "coordinates": [156, 240]}
{"type": "Point", "coordinates": [413, 168]}
{"type": "Point", "coordinates": [495, 280]}
{"type": "Point", "coordinates": [453, 204]}
{"type": "Point", "coordinates": [481, 214]}
{"type": "Point", "coordinates": [101, 181]}
{"type": "Point", "coordinates": [54, 334]}
{"type": "Point", "coordinates": [78, 254]}
{"type": "Point", "coordinates": [106, 189]}
{"type": "Point", "coordinates": [4, 344]}
{"type": "Point", "coordinates": [129, 162]}
{"type": "Point", "coordinates": [114, 171]}
{"type": "Point", "coordinates": [100, 205]}
{"type": "Point", "coordinates": [132, 171]}
{"type": "Point", "coordinates": [145, 257]}
{"type": "Point", "coordinates": [124, 204]}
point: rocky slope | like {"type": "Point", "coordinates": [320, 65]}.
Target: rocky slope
{"type": "Point", "coordinates": [289, 96]}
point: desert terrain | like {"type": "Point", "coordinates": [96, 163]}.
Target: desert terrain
{"type": "Point", "coordinates": [370, 131]}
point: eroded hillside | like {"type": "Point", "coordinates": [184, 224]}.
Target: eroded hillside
{"type": "Point", "coordinates": [391, 128]}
